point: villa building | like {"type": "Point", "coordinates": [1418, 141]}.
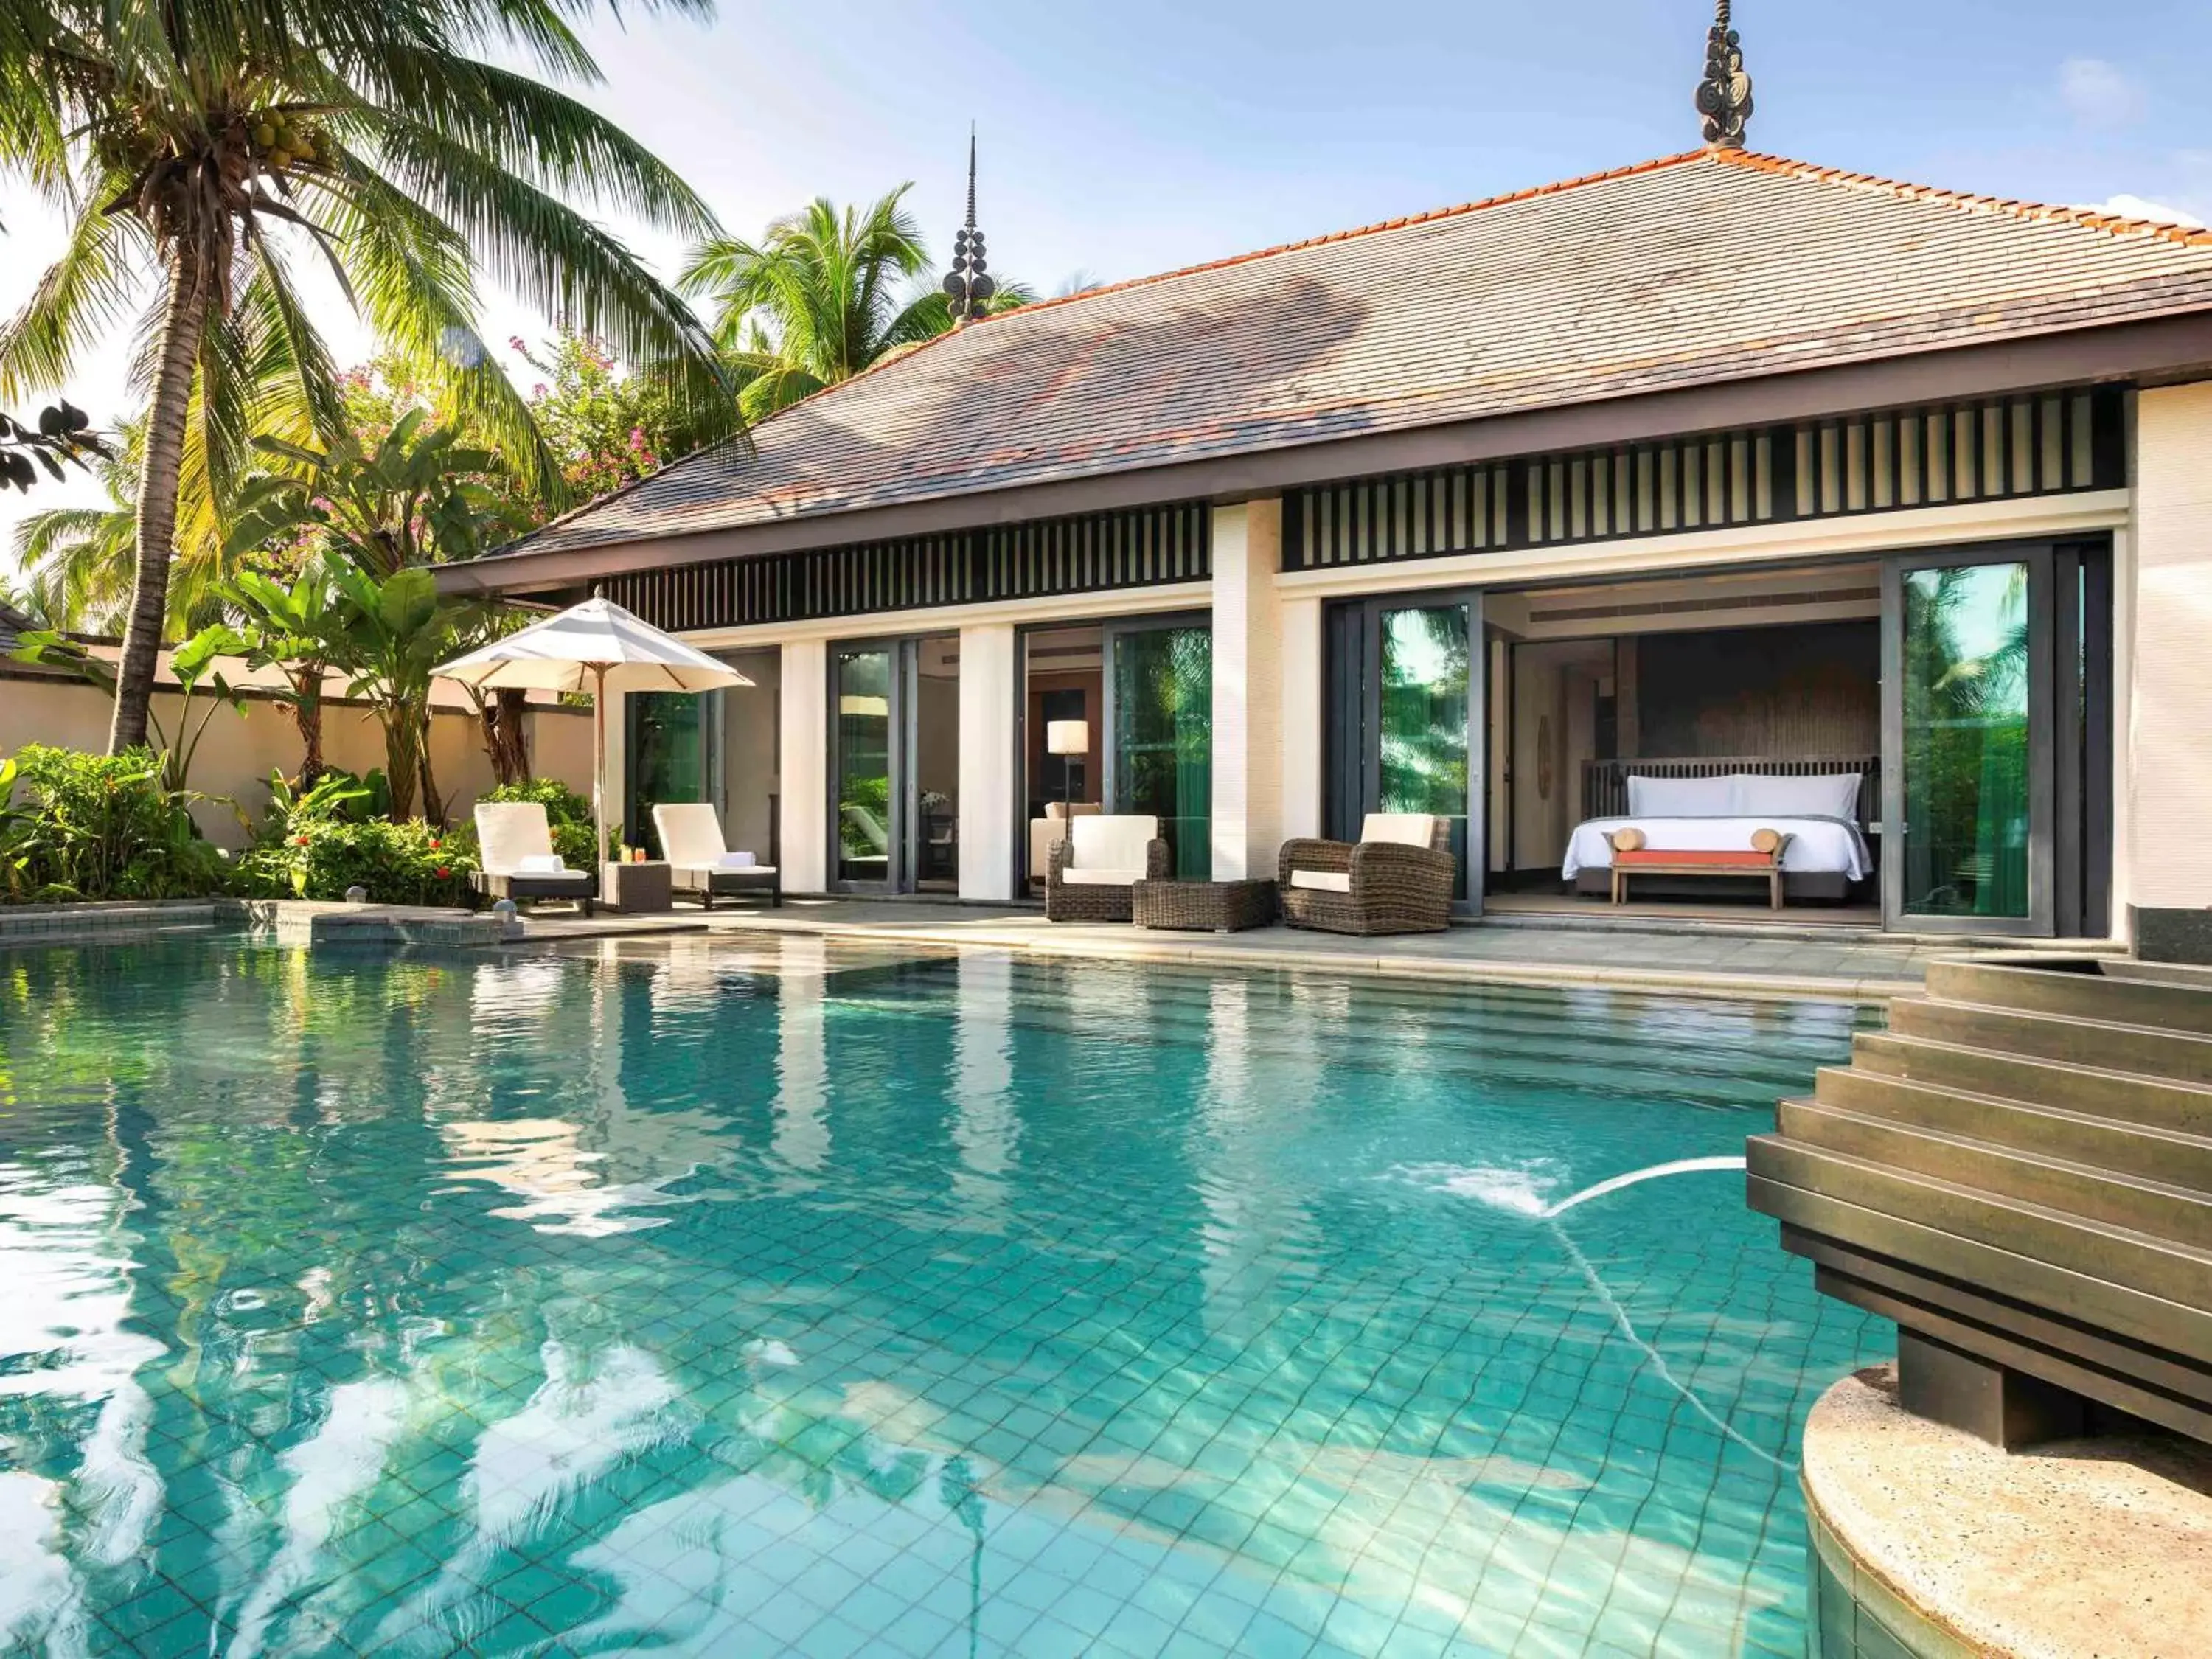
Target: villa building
{"type": "Point", "coordinates": [1717, 464]}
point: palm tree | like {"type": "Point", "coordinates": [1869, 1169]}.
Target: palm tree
{"type": "Point", "coordinates": [225, 140]}
{"type": "Point", "coordinates": [79, 561]}
{"type": "Point", "coordinates": [826, 293]}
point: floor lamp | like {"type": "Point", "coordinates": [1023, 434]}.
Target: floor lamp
{"type": "Point", "coordinates": [1063, 738]}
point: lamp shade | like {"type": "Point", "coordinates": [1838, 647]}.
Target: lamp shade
{"type": "Point", "coordinates": [1067, 736]}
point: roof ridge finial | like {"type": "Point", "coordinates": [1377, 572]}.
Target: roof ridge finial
{"type": "Point", "coordinates": [969, 285]}
{"type": "Point", "coordinates": [1724, 96]}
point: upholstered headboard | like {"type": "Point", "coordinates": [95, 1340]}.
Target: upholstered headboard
{"type": "Point", "coordinates": [1605, 783]}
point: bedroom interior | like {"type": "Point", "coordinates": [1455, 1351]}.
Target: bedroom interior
{"type": "Point", "coordinates": [1691, 680]}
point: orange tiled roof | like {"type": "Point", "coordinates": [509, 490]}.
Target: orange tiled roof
{"type": "Point", "coordinates": [1707, 266]}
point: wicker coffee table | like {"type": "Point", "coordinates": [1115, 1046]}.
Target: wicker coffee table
{"type": "Point", "coordinates": [1211, 907]}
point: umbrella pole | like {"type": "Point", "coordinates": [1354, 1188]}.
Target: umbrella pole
{"type": "Point", "coordinates": [599, 763]}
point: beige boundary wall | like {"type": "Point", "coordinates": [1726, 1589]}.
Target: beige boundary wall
{"type": "Point", "coordinates": [238, 752]}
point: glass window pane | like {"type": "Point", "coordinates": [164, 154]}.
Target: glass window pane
{"type": "Point", "coordinates": [1423, 726]}
{"type": "Point", "coordinates": [864, 765]}
{"type": "Point", "coordinates": [1966, 782]}
{"type": "Point", "coordinates": [1163, 738]}
{"type": "Point", "coordinates": [667, 760]}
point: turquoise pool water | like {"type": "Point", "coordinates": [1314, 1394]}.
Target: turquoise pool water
{"type": "Point", "coordinates": [710, 1299]}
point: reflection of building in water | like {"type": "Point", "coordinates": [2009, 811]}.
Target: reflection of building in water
{"type": "Point", "coordinates": [802, 1063]}
{"type": "Point", "coordinates": [984, 1125]}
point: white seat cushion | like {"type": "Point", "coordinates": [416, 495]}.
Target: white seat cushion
{"type": "Point", "coordinates": [1073, 877]}
{"type": "Point", "coordinates": [1110, 842]}
{"type": "Point", "coordinates": [1406, 829]}
{"type": "Point", "coordinates": [1323, 881]}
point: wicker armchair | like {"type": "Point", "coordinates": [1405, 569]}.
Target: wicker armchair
{"type": "Point", "coordinates": [1092, 871]}
{"type": "Point", "coordinates": [1398, 878]}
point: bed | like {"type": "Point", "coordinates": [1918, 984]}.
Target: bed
{"type": "Point", "coordinates": [1827, 851]}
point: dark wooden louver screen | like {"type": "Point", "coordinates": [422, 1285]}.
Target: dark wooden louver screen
{"type": "Point", "coordinates": [2044, 445]}
{"type": "Point", "coordinates": [1145, 548]}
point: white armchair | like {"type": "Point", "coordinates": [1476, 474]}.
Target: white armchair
{"type": "Point", "coordinates": [1089, 875]}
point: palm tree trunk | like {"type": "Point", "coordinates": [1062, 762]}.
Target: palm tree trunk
{"type": "Point", "coordinates": [181, 316]}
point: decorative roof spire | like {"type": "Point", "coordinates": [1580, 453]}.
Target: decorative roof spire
{"type": "Point", "coordinates": [1724, 96]}
{"type": "Point", "coordinates": [969, 285]}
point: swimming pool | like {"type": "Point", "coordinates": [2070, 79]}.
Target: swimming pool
{"type": "Point", "coordinates": [734, 1299]}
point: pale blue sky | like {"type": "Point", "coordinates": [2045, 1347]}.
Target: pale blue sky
{"type": "Point", "coordinates": [1118, 140]}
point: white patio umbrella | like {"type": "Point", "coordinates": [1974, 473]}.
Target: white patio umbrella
{"type": "Point", "coordinates": [595, 646]}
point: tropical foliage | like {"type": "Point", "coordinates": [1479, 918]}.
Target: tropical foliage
{"type": "Point", "coordinates": [320, 857]}
{"type": "Point", "coordinates": [98, 827]}
{"type": "Point", "coordinates": [228, 140]}
{"type": "Point", "coordinates": [825, 293]}
{"type": "Point", "coordinates": [80, 561]}
{"type": "Point", "coordinates": [62, 433]}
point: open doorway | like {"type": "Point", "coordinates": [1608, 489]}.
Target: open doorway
{"type": "Point", "coordinates": [894, 765]}
{"type": "Point", "coordinates": [1680, 706]}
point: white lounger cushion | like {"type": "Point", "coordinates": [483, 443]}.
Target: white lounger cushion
{"type": "Point", "coordinates": [1406, 828]}
{"type": "Point", "coordinates": [1073, 877]}
{"type": "Point", "coordinates": [1111, 844]}
{"type": "Point", "coordinates": [690, 833]}
{"type": "Point", "coordinates": [1324, 881]}
{"type": "Point", "coordinates": [513, 839]}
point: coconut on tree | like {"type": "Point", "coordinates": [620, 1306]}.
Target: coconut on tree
{"type": "Point", "coordinates": [208, 148]}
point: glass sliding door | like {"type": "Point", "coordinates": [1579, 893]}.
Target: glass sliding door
{"type": "Point", "coordinates": [1405, 722]}
{"type": "Point", "coordinates": [669, 757]}
{"type": "Point", "coordinates": [862, 824]}
{"type": "Point", "coordinates": [1971, 716]}
{"type": "Point", "coordinates": [895, 770]}
{"type": "Point", "coordinates": [1159, 757]}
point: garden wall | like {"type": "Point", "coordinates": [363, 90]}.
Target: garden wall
{"type": "Point", "coordinates": [237, 753]}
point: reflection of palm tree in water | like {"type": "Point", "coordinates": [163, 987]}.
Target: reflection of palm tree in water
{"type": "Point", "coordinates": [1965, 739]}
{"type": "Point", "coordinates": [957, 1490]}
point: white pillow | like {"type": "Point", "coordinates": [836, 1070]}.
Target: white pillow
{"type": "Point", "coordinates": [539, 864]}
{"type": "Point", "coordinates": [1762, 795]}
{"type": "Point", "coordinates": [1680, 798]}
{"type": "Point", "coordinates": [735, 861]}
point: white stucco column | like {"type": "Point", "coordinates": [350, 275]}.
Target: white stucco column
{"type": "Point", "coordinates": [803, 711]}
{"type": "Point", "coordinates": [2168, 787]}
{"type": "Point", "coordinates": [1247, 709]}
{"type": "Point", "coordinates": [1303, 735]}
{"type": "Point", "coordinates": [990, 772]}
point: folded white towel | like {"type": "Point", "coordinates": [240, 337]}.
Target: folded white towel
{"type": "Point", "coordinates": [735, 861]}
{"type": "Point", "coordinates": [540, 864]}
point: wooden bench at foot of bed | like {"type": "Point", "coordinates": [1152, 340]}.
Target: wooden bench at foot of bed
{"type": "Point", "coordinates": [1633, 857]}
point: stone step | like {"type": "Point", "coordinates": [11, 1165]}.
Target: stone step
{"type": "Point", "coordinates": [2079, 988]}
{"type": "Point", "coordinates": [2108, 1045]}
{"type": "Point", "coordinates": [2128, 1097]}
{"type": "Point", "coordinates": [2089, 1139]}
{"type": "Point", "coordinates": [2161, 1209]}
{"type": "Point", "coordinates": [2153, 1290]}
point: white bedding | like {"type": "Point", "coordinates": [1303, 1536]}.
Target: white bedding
{"type": "Point", "coordinates": [1814, 843]}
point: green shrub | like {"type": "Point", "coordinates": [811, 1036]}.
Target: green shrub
{"type": "Point", "coordinates": [100, 827]}
{"type": "Point", "coordinates": [410, 863]}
